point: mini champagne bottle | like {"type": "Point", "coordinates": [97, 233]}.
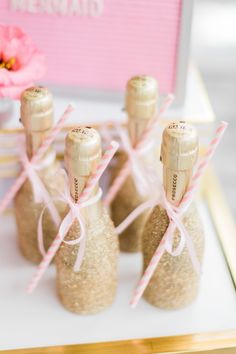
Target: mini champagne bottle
{"type": "Point", "coordinates": [37, 119]}
{"type": "Point", "coordinates": [141, 107]}
{"type": "Point", "coordinates": [93, 287]}
{"type": "Point", "coordinates": [175, 282]}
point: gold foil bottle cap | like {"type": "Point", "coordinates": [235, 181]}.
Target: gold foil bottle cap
{"type": "Point", "coordinates": [179, 149]}
{"type": "Point", "coordinates": [83, 151]}
{"type": "Point", "coordinates": [141, 97]}
{"type": "Point", "coordinates": [37, 109]}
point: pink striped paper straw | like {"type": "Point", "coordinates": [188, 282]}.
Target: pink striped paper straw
{"type": "Point", "coordinates": [151, 267]}
{"type": "Point", "coordinates": [187, 197]}
{"type": "Point", "coordinates": [93, 180]}
{"type": "Point", "coordinates": [154, 123]}
{"type": "Point", "coordinates": [205, 162]}
{"type": "Point", "coordinates": [23, 175]}
{"type": "Point", "coordinates": [125, 171]}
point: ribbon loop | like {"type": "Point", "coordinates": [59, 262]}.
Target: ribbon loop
{"type": "Point", "coordinates": [74, 213]}
{"type": "Point", "coordinates": [175, 219]}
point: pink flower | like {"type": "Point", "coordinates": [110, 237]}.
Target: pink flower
{"type": "Point", "coordinates": [21, 63]}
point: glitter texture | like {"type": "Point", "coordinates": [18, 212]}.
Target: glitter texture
{"type": "Point", "coordinates": [27, 213]}
{"type": "Point", "coordinates": [93, 287]}
{"type": "Point", "coordinates": [174, 283]}
{"type": "Point", "coordinates": [126, 200]}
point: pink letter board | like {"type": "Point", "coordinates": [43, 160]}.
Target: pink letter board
{"type": "Point", "coordinates": [99, 44]}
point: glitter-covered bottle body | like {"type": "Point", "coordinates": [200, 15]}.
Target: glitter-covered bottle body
{"type": "Point", "coordinates": [175, 283]}
{"type": "Point", "coordinates": [27, 213]}
{"type": "Point", "coordinates": [141, 107]}
{"type": "Point", "coordinates": [93, 287]}
{"type": "Point", "coordinates": [37, 118]}
{"type": "Point", "coordinates": [127, 199]}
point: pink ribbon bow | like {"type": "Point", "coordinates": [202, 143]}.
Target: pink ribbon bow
{"type": "Point", "coordinates": [10, 194]}
{"type": "Point", "coordinates": [141, 144]}
{"type": "Point", "coordinates": [73, 214]}
{"type": "Point", "coordinates": [74, 211]}
{"type": "Point", "coordinates": [174, 214]}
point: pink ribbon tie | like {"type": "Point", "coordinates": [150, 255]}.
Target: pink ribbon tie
{"type": "Point", "coordinates": [73, 214]}
{"type": "Point", "coordinates": [174, 214]}
{"type": "Point", "coordinates": [40, 193]}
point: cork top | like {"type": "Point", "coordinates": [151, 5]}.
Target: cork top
{"type": "Point", "coordinates": [141, 97]}
{"type": "Point", "coordinates": [179, 149]}
{"type": "Point", "coordinates": [82, 151]}
{"type": "Point", "coordinates": [37, 109]}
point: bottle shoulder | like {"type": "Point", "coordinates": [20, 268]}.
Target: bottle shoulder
{"type": "Point", "coordinates": [100, 239]}
{"type": "Point", "coordinates": [158, 222]}
{"type": "Point", "coordinates": [51, 177]}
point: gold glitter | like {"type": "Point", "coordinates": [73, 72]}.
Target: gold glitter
{"type": "Point", "coordinates": [27, 213]}
{"type": "Point", "coordinates": [141, 107]}
{"type": "Point", "coordinates": [93, 287]}
{"type": "Point", "coordinates": [174, 283]}
{"type": "Point", "coordinates": [126, 200]}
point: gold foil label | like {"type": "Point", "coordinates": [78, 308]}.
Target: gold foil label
{"type": "Point", "coordinates": [33, 93]}
{"type": "Point", "coordinates": [140, 83]}
{"type": "Point", "coordinates": [175, 184]}
{"type": "Point", "coordinates": [82, 154]}
{"type": "Point", "coordinates": [76, 189]}
{"type": "Point", "coordinates": [180, 126]}
{"type": "Point", "coordinates": [179, 148]}
{"type": "Point", "coordinates": [82, 133]}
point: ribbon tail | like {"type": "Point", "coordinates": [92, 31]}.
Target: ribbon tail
{"type": "Point", "coordinates": [49, 203]}
{"type": "Point", "coordinates": [169, 239]}
{"type": "Point", "coordinates": [185, 238]}
{"type": "Point", "coordinates": [65, 225]}
{"type": "Point", "coordinates": [133, 215]}
{"type": "Point", "coordinates": [42, 267]}
{"type": "Point", "coordinates": [80, 255]}
{"type": "Point", "coordinates": [193, 256]}
{"type": "Point", "coordinates": [40, 233]}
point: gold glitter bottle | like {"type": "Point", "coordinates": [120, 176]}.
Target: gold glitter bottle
{"type": "Point", "coordinates": [141, 107]}
{"type": "Point", "coordinates": [37, 119]}
{"type": "Point", "coordinates": [93, 287]}
{"type": "Point", "coordinates": [174, 283]}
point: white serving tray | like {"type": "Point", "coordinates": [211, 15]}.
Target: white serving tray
{"type": "Point", "coordinates": [39, 320]}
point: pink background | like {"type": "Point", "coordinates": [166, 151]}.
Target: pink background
{"type": "Point", "coordinates": [131, 37]}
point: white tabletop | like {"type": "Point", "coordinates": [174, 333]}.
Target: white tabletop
{"type": "Point", "coordinates": [40, 320]}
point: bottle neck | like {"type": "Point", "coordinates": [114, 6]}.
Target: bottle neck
{"type": "Point", "coordinates": [77, 184]}
{"type": "Point", "coordinates": [34, 140]}
{"type": "Point", "coordinates": [175, 184]}
{"type": "Point", "coordinates": [48, 161]}
{"type": "Point", "coordinates": [136, 127]}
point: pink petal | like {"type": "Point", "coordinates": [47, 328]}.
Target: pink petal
{"type": "Point", "coordinates": [33, 71]}
{"type": "Point", "coordinates": [30, 63]}
{"type": "Point", "coordinates": [13, 32]}
{"type": "Point", "coordinates": [13, 92]}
